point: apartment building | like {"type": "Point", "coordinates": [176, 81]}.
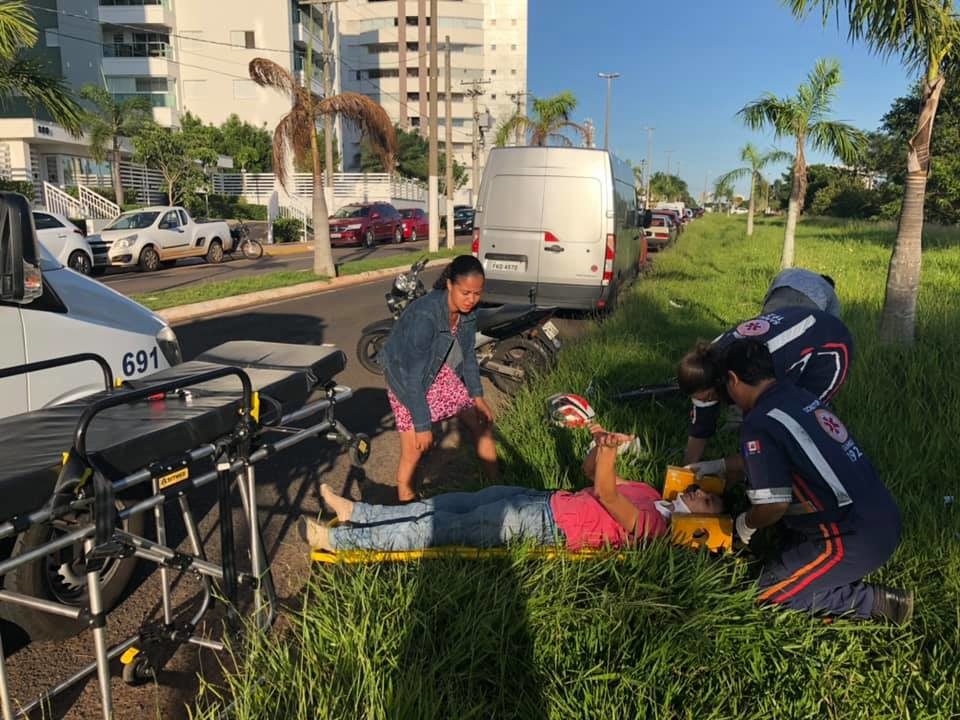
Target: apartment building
{"type": "Point", "coordinates": [384, 53]}
{"type": "Point", "coordinates": [182, 55]}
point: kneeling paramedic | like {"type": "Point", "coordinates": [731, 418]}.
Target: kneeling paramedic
{"type": "Point", "coordinates": [811, 348]}
{"type": "Point", "coordinates": [805, 471]}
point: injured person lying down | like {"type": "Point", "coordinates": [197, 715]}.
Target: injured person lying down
{"type": "Point", "coordinates": [612, 513]}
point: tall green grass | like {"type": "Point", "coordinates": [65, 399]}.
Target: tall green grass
{"type": "Point", "coordinates": [667, 632]}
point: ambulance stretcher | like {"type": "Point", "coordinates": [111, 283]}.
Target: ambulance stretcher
{"type": "Point", "coordinates": [85, 467]}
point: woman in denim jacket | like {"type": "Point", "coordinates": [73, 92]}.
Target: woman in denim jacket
{"type": "Point", "coordinates": [432, 373]}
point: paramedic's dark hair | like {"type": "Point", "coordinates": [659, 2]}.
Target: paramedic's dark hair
{"type": "Point", "coordinates": [700, 369]}
{"type": "Point", "coordinates": [462, 266]}
{"type": "Point", "coordinates": [750, 360]}
{"type": "Point", "coordinates": [829, 280]}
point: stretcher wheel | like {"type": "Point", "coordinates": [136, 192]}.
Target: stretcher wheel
{"type": "Point", "coordinates": [360, 449]}
{"type": "Point", "coordinates": [138, 671]}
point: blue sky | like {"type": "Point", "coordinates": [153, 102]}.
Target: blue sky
{"type": "Point", "coordinates": [687, 66]}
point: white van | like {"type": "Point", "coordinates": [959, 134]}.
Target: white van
{"type": "Point", "coordinates": [73, 314]}
{"type": "Point", "coordinates": [557, 227]}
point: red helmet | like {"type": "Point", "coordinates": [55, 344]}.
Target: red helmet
{"type": "Point", "coordinates": [569, 411]}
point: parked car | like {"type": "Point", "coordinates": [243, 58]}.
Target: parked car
{"type": "Point", "coordinates": [366, 224]}
{"type": "Point", "coordinates": [463, 216]}
{"type": "Point", "coordinates": [674, 215]}
{"type": "Point", "coordinates": [64, 240]}
{"type": "Point", "coordinates": [155, 237]}
{"type": "Point", "coordinates": [660, 232]}
{"type": "Point", "coordinates": [557, 226]}
{"type": "Point", "coordinates": [415, 224]}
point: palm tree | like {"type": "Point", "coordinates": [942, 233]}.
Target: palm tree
{"type": "Point", "coordinates": [805, 117]}
{"type": "Point", "coordinates": [551, 116]}
{"type": "Point", "coordinates": [755, 163]}
{"type": "Point", "coordinates": [926, 35]}
{"type": "Point", "coordinates": [29, 78]}
{"type": "Point", "coordinates": [298, 130]}
{"type": "Point", "coordinates": [723, 188]}
{"type": "Point", "coordinates": [111, 120]}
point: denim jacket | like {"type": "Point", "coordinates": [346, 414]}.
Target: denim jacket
{"type": "Point", "coordinates": [417, 348]}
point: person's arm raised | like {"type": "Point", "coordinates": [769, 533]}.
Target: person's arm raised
{"type": "Point", "coordinates": [605, 483]}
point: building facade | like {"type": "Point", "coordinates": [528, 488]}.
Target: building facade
{"type": "Point", "coordinates": [384, 53]}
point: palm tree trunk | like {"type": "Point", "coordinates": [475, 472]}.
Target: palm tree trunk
{"type": "Point", "coordinates": [750, 207]}
{"type": "Point", "coordinates": [898, 319]}
{"type": "Point", "coordinates": [322, 254]}
{"type": "Point", "coordinates": [797, 190]}
{"type": "Point", "coordinates": [117, 187]}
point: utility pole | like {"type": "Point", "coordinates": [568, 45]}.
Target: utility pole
{"type": "Point", "coordinates": [609, 77]}
{"type": "Point", "coordinates": [668, 153]}
{"type": "Point", "coordinates": [402, 60]}
{"type": "Point", "coordinates": [327, 56]}
{"type": "Point", "coordinates": [517, 98]}
{"type": "Point", "coordinates": [475, 92]}
{"type": "Point", "coordinates": [649, 164]}
{"type": "Point", "coordinates": [706, 180]}
{"type": "Point", "coordinates": [432, 178]}
{"type": "Point", "coordinates": [422, 61]}
{"type": "Point", "coordinates": [448, 131]}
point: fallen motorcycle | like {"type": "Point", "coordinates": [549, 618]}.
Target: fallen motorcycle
{"type": "Point", "coordinates": [513, 342]}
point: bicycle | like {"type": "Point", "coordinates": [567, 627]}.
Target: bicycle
{"type": "Point", "coordinates": [242, 242]}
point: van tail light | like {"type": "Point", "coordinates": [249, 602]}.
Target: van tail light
{"type": "Point", "coordinates": [608, 259]}
{"type": "Point", "coordinates": [475, 245]}
{"type": "Point", "coordinates": [550, 237]}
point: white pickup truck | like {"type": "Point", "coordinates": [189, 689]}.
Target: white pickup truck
{"type": "Point", "coordinates": [155, 237]}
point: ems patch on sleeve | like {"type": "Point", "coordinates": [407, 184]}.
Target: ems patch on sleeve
{"type": "Point", "coordinates": [752, 447]}
{"type": "Point", "coordinates": [753, 328]}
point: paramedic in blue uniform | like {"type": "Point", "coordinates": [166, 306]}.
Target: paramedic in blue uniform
{"type": "Point", "coordinates": [811, 348]}
{"type": "Point", "coordinates": [805, 471]}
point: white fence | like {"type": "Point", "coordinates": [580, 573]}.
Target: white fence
{"type": "Point", "coordinates": [347, 188]}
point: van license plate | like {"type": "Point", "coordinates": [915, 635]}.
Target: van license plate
{"type": "Point", "coordinates": [507, 265]}
{"type": "Point", "coordinates": [550, 330]}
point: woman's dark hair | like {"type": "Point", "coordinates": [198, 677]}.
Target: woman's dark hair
{"type": "Point", "coordinates": [750, 360]}
{"type": "Point", "coordinates": [462, 266]}
{"type": "Point", "coordinates": [700, 369]}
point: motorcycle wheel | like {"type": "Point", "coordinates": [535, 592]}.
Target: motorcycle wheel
{"type": "Point", "coordinates": [252, 249]}
{"type": "Point", "coordinates": [369, 347]}
{"type": "Point", "coordinates": [522, 354]}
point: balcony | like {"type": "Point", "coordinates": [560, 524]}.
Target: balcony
{"type": "Point", "coordinates": [317, 81]}
{"type": "Point", "coordinates": [139, 58]}
{"type": "Point", "coordinates": [133, 12]}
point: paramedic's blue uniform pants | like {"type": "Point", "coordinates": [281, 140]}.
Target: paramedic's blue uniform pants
{"type": "Point", "coordinates": [821, 567]}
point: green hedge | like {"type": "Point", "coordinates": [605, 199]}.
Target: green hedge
{"type": "Point", "coordinates": [287, 230]}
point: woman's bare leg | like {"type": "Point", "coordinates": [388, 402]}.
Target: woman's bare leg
{"type": "Point", "coordinates": [485, 443]}
{"type": "Point", "coordinates": [409, 458]}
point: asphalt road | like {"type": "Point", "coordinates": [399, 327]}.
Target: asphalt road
{"type": "Point", "coordinates": [195, 271]}
{"type": "Point", "coordinates": [288, 487]}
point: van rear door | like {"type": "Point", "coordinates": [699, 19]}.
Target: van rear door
{"type": "Point", "coordinates": [512, 234]}
{"type": "Point", "coordinates": [572, 247]}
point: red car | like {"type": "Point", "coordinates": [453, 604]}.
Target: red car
{"type": "Point", "coordinates": [416, 224]}
{"type": "Point", "coordinates": [366, 224]}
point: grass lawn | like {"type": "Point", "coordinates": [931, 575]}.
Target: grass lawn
{"type": "Point", "coordinates": [667, 632]}
{"type": "Point", "coordinates": [277, 279]}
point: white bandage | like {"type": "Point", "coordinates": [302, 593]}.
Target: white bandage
{"type": "Point", "coordinates": [743, 531]}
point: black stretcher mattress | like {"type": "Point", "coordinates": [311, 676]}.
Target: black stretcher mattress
{"type": "Point", "coordinates": [129, 437]}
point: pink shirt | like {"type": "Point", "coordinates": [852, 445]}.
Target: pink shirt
{"type": "Point", "coordinates": [587, 524]}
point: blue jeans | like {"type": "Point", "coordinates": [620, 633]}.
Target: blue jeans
{"type": "Point", "coordinates": [488, 518]}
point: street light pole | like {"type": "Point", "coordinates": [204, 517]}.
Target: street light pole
{"type": "Point", "coordinates": [609, 77]}
{"type": "Point", "coordinates": [433, 161]}
{"type": "Point", "coordinates": [649, 172]}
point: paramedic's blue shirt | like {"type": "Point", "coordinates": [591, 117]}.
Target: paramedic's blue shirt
{"type": "Point", "coordinates": [810, 348]}
{"type": "Point", "coordinates": [797, 451]}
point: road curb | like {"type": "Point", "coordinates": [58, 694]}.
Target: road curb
{"type": "Point", "coordinates": [279, 250]}
{"type": "Point", "coordinates": [210, 308]}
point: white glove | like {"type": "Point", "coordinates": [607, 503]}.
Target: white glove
{"type": "Point", "coordinates": [708, 467]}
{"type": "Point", "coordinates": [743, 531]}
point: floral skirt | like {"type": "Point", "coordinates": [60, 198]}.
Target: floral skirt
{"type": "Point", "coordinates": [447, 397]}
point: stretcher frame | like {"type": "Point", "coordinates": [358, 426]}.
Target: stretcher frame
{"type": "Point", "coordinates": [235, 458]}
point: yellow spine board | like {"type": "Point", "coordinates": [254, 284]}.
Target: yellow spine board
{"type": "Point", "coordinates": [679, 479]}
{"type": "Point", "coordinates": [713, 531]}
